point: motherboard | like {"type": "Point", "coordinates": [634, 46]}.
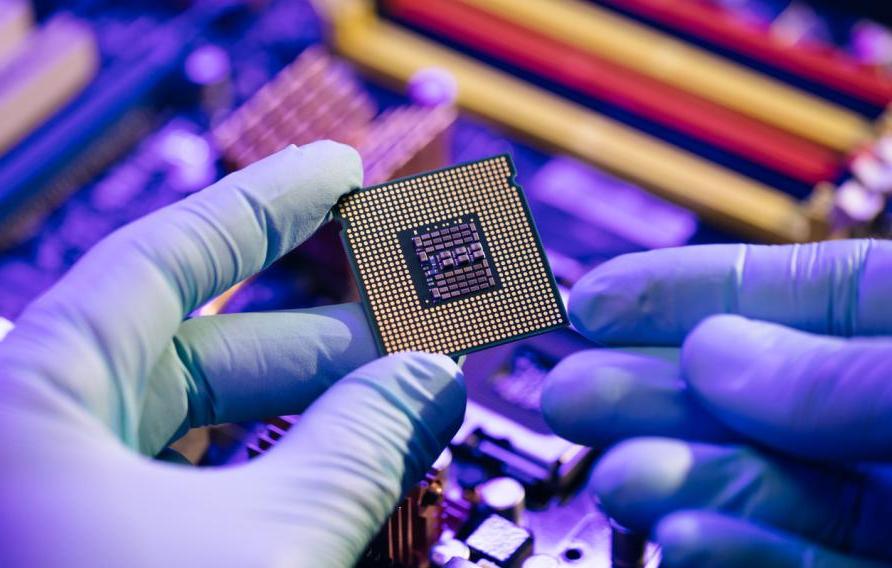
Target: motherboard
{"type": "Point", "coordinates": [630, 125]}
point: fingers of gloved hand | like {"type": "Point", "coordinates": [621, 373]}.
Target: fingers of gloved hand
{"type": "Point", "coordinates": [115, 311]}
{"type": "Point", "coordinates": [804, 394]}
{"type": "Point", "coordinates": [235, 367]}
{"type": "Point", "coordinates": [703, 539]}
{"type": "Point", "coordinates": [657, 297]}
{"type": "Point", "coordinates": [339, 472]}
{"type": "Point", "coordinates": [599, 397]}
{"type": "Point", "coordinates": [641, 481]}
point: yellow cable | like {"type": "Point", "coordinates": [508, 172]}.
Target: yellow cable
{"type": "Point", "coordinates": [718, 194]}
{"type": "Point", "coordinates": [16, 20]}
{"type": "Point", "coordinates": [52, 66]}
{"type": "Point", "coordinates": [686, 67]}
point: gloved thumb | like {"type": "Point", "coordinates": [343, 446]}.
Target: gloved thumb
{"type": "Point", "coordinates": [807, 395]}
{"type": "Point", "coordinates": [340, 471]}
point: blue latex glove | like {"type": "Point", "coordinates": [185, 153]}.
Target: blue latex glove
{"type": "Point", "coordinates": [102, 367]}
{"type": "Point", "coordinates": [766, 419]}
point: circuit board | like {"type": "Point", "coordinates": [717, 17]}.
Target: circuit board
{"type": "Point", "coordinates": [449, 261]}
{"type": "Point", "coordinates": [553, 520]}
{"type": "Point", "coordinates": [162, 98]}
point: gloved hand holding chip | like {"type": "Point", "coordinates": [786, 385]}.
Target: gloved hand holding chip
{"type": "Point", "coordinates": [103, 368]}
{"type": "Point", "coordinates": [751, 400]}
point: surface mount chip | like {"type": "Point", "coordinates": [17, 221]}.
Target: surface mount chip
{"type": "Point", "coordinates": [449, 261]}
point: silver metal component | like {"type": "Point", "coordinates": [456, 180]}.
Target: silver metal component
{"type": "Point", "coordinates": [446, 550]}
{"type": "Point", "coordinates": [503, 496]}
{"type": "Point", "coordinates": [541, 561]}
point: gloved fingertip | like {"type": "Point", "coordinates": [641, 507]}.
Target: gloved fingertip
{"type": "Point", "coordinates": [718, 349]}
{"type": "Point", "coordinates": [728, 360]}
{"type": "Point", "coordinates": [5, 327]}
{"type": "Point", "coordinates": [432, 384]}
{"type": "Point", "coordinates": [559, 403]}
{"type": "Point", "coordinates": [601, 301]}
{"type": "Point", "coordinates": [582, 393]}
{"type": "Point", "coordinates": [705, 537]}
{"type": "Point", "coordinates": [680, 537]}
{"type": "Point", "coordinates": [324, 169]}
{"type": "Point", "coordinates": [297, 183]}
{"type": "Point", "coordinates": [432, 367]}
{"type": "Point", "coordinates": [335, 157]}
{"type": "Point", "coordinates": [634, 478]}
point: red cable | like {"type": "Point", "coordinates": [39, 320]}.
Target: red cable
{"type": "Point", "coordinates": [797, 158]}
{"type": "Point", "coordinates": [824, 64]}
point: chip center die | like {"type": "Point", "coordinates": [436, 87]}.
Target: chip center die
{"type": "Point", "coordinates": [449, 260]}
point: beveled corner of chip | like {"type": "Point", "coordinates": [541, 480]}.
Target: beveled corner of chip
{"type": "Point", "coordinates": [449, 261]}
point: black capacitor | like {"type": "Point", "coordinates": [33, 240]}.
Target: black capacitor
{"type": "Point", "coordinates": [627, 548]}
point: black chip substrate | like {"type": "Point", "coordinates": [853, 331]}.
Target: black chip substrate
{"type": "Point", "coordinates": [449, 261]}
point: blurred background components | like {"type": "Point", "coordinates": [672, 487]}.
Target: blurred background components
{"type": "Point", "coordinates": [634, 124]}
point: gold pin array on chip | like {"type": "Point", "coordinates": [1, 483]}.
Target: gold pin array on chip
{"type": "Point", "coordinates": [449, 261]}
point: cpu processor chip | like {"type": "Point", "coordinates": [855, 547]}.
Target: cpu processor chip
{"type": "Point", "coordinates": [449, 261]}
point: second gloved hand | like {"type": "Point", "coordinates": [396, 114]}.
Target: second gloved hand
{"type": "Point", "coordinates": [753, 439]}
